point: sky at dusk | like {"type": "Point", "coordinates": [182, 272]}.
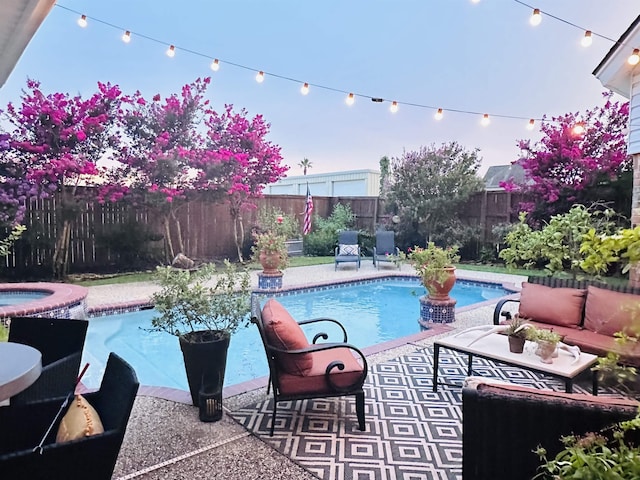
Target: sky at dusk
{"type": "Point", "coordinates": [452, 54]}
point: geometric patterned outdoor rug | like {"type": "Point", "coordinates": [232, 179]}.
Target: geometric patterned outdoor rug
{"type": "Point", "coordinates": [411, 433]}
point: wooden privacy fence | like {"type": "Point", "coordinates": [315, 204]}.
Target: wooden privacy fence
{"type": "Point", "coordinates": [111, 236]}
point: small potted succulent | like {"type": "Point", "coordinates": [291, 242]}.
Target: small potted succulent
{"type": "Point", "coordinates": [517, 334]}
{"type": "Point", "coordinates": [547, 341]}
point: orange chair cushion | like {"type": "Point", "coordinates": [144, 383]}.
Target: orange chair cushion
{"type": "Point", "coordinates": [314, 381]}
{"type": "Point", "coordinates": [608, 312]}
{"type": "Point", "coordinates": [554, 306]}
{"type": "Point", "coordinates": [284, 332]}
{"type": "Point", "coordinates": [81, 420]}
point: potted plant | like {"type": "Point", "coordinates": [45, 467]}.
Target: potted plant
{"type": "Point", "coordinates": [435, 265]}
{"type": "Point", "coordinates": [271, 251]}
{"type": "Point", "coordinates": [203, 309]}
{"type": "Point", "coordinates": [517, 334]}
{"type": "Point", "coordinates": [272, 219]}
{"type": "Point", "coordinates": [547, 341]}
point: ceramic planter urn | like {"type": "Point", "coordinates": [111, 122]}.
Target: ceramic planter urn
{"type": "Point", "coordinates": [270, 262]}
{"type": "Point", "coordinates": [439, 290]}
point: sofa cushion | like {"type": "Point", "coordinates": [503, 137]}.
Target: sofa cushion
{"type": "Point", "coordinates": [314, 381]}
{"type": "Point", "coordinates": [554, 306]}
{"type": "Point", "coordinates": [598, 344]}
{"type": "Point", "coordinates": [284, 332]}
{"type": "Point", "coordinates": [589, 401]}
{"type": "Point", "coordinates": [608, 312]}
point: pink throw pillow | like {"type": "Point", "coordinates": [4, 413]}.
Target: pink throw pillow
{"type": "Point", "coordinates": [554, 306]}
{"type": "Point", "coordinates": [284, 332]}
{"type": "Point", "coordinates": [608, 312]}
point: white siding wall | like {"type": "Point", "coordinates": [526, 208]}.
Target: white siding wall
{"type": "Point", "coordinates": [634, 115]}
{"type": "Point", "coordinates": [354, 183]}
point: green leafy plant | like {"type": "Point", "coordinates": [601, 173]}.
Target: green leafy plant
{"type": "Point", "coordinates": [543, 335]}
{"type": "Point", "coordinates": [430, 261]}
{"type": "Point", "coordinates": [201, 300]}
{"type": "Point", "coordinates": [272, 219]}
{"type": "Point", "coordinates": [271, 243]}
{"type": "Point", "coordinates": [518, 327]}
{"type": "Point", "coordinates": [605, 455]}
{"type": "Point", "coordinates": [600, 251]}
{"type": "Point", "coordinates": [324, 237]}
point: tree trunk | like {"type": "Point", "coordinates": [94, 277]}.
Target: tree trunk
{"type": "Point", "coordinates": [176, 221]}
{"type": "Point", "coordinates": [238, 235]}
{"type": "Point", "coordinates": [167, 238]}
{"type": "Point", "coordinates": [61, 251]}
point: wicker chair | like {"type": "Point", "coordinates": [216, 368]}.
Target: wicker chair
{"type": "Point", "coordinates": [60, 341]}
{"type": "Point", "coordinates": [338, 368]}
{"type": "Point", "coordinates": [90, 457]}
{"type": "Point", "coordinates": [385, 249]}
{"type": "Point", "coordinates": [348, 250]}
{"type": "Point", "coordinates": [502, 425]}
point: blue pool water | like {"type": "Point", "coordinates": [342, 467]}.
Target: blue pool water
{"type": "Point", "coordinates": [15, 298]}
{"type": "Point", "coordinates": [371, 311]}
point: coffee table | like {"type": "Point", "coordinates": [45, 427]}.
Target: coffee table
{"type": "Point", "coordinates": [495, 347]}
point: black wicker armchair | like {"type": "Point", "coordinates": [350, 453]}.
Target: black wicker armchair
{"type": "Point", "coordinates": [299, 370]}
{"type": "Point", "coordinates": [23, 426]}
{"type": "Point", "coordinates": [60, 341]}
{"type": "Point", "coordinates": [502, 425]}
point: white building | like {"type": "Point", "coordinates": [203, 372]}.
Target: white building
{"type": "Point", "coordinates": [353, 183]}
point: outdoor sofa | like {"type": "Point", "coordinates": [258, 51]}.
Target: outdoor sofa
{"type": "Point", "coordinates": [585, 314]}
{"type": "Point", "coordinates": [503, 424]}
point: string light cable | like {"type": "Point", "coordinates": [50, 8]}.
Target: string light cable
{"type": "Point", "coordinates": [439, 110]}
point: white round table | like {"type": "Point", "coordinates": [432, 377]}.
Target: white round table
{"type": "Point", "coordinates": [20, 366]}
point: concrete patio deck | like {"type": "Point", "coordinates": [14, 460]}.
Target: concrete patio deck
{"type": "Point", "coordinates": [165, 439]}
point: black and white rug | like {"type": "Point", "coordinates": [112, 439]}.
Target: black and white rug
{"type": "Point", "coordinates": [412, 433]}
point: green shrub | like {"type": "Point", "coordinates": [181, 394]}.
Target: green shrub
{"type": "Point", "coordinates": [324, 236]}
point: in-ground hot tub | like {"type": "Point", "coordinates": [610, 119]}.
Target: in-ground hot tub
{"type": "Point", "coordinates": [43, 299]}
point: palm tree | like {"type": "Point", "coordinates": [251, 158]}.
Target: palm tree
{"type": "Point", "coordinates": [305, 164]}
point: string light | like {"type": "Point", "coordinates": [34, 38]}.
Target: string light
{"type": "Point", "coordinates": [126, 36]}
{"type": "Point", "coordinates": [171, 51]}
{"type": "Point", "coordinates": [350, 99]}
{"type": "Point", "coordinates": [536, 17]}
{"type": "Point", "coordinates": [587, 40]}
{"type": "Point", "coordinates": [531, 124]}
{"type": "Point", "coordinates": [634, 58]}
{"type": "Point", "coordinates": [304, 89]}
{"type": "Point", "coordinates": [260, 77]}
{"type": "Point", "coordinates": [394, 107]}
{"type": "Point", "coordinates": [485, 120]}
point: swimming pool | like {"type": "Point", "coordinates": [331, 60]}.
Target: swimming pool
{"type": "Point", "coordinates": [372, 311]}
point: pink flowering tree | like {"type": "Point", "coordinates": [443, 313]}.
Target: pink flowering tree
{"type": "Point", "coordinates": [566, 168]}
{"type": "Point", "coordinates": [252, 160]}
{"type": "Point", "coordinates": [162, 159]}
{"type": "Point", "coordinates": [54, 147]}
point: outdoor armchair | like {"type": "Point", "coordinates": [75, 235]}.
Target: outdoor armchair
{"type": "Point", "coordinates": [301, 370]}
{"type": "Point", "coordinates": [348, 250]}
{"type": "Point", "coordinates": [385, 249]}
{"type": "Point", "coordinates": [23, 427]}
{"type": "Point", "coordinates": [60, 341]}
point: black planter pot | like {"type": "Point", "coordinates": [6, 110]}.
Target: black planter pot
{"type": "Point", "coordinates": [205, 360]}
{"type": "Point", "coordinates": [516, 344]}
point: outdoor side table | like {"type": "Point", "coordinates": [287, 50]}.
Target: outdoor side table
{"type": "Point", "coordinates": [20, 366]}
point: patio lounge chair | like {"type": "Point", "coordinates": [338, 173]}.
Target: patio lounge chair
{"type": "Point", "coordinates": [299, 370]}
{"type": "Point", "coordinates": [60, 341]}
{"type": "Point", "coordinates": [348, 250]}
{"type": "Point", "coordinates": [385, 249]}
{"type": "Point", "coordinates": [88, 457]}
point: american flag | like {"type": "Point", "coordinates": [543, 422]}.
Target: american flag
{"type": "Point", "coordinates": [308, 209]}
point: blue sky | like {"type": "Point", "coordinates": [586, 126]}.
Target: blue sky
{"type": "Point", "coordinates": [453, 54]}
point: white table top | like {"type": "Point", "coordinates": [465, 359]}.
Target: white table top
{"type": "Point", "coordinates": [496, 346]}
{"type": "Point", "coordinates": [20, 366]}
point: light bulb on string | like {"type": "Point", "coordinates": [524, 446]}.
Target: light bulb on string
{"type": "Point", "coordinates": [304, 89]}
{"type": "Point", "coordinates": [126, 36]}
{"type": "Point", "coordinates": [531, 124]}
{"type": "Point", "coordinates": [587, 40]}
{"type": "Point", "coordinates": [82, 21]}
{"type": "Point", "coordinates": [634, 58]}
{"type": "Point", "coordinates": [475, 1]}
{"type": "Point", "coordinates": [536, 17]}
{"type": "Point", "coordinates": [394, 107]}
{"type": "Point", "coordinates": [260, 77]}
{"type": "Point", "coordinates": [350, 99]}
{"type": "Point", "coordinates": [439, 114]}
{"type": "Point", "coordinates": [215, 65]}
{"type": "Point", "coordinates": [171, 51]}
{"type": "Point", "coordinates": [578, 128]}
{"type": "Point", "coordinates": [485, 120]}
